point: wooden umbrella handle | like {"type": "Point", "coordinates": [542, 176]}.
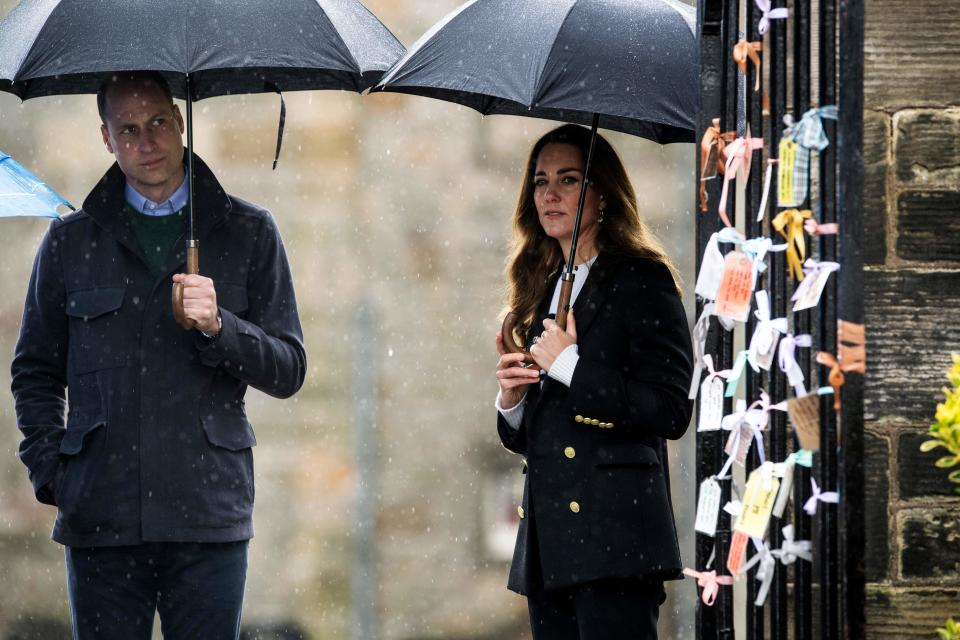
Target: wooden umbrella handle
{"type": "Point", "coordinates": [193, 268]}
{"type": "Point", "coordinates": [506, 330]}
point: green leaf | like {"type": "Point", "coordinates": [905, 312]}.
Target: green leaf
{"type": "Point", "coordinates": [930, 445]}
{"type": "Point", "coordinates": [947, 461]}
{"type": "Point", "coordinates": [954, 476]}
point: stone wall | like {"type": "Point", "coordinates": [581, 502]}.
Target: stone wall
{"type": "Point", "coordinates": [912, 294]}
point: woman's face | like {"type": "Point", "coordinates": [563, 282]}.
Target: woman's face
{"type": "Point", "coordinates": [556, 192]}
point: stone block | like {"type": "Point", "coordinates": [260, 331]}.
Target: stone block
{"type": "Point", "coordinates": [916, 473]}
{"type": "Point", "coordinates": [928, 225]}
{"type": "Point", "coordinates": [911, 329]}
{"type": "Point", "coordinates": [876, 452]}
{"type": "Point", "coordinates": [902, 72]}
{"type": "Point", "coordinates": [930, 544]}
{"type": "Point", "coordinates": [876, 149]}
{"type": "Point", "coordinates": [894, 613]}
{"type": "Point", "coordinates": [927, 147]}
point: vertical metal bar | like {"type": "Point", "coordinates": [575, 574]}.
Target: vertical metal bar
{"type": "Point", "coordinates": [778, 283]}
{"type": "Point", "coordinates": [752, 229]}
{"type": "Point", "coordinates": [714, 622]}
{"type": "Point", "coordinates": [802, 574]}
{"type": "Point", "coordinates": [850, 309]}
{"type": "Point", "coordinates": [364, 583]}
{"type": "Point", "coordinates": [827, 530]}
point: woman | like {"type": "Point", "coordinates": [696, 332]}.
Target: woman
{"type": "Point", "coordinates": [597, 535]}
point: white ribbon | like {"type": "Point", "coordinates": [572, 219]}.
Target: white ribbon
{"type": "Point", "coordinates": [742, 415]}
{"type": "Point", "coordinates": [764, 323]}
{"type": "Point", "coordinates": [788, 361]}
{"type": "Point", "coordinates": [700, 330]}
{"type": "Point", "coordinates": [819, 496]}
{"type": "Point", "coordinates": [766, 188]}
{"type": "Point", "coordinates": [768, 15]}
{"type": "Point", "coordinates": [759, 412]}
{"type": "Point", "coordinates": [765, 571]}
{"type": "Point", "coordinates": [791, 549]}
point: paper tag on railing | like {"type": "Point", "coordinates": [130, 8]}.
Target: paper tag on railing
{"type": "Point", "coordinates": [736, 287]}
{"type": "Point", "coordinates": [711, 271]}
{"type": "Point", "coordinates": [708, 507]}
{"type": "Point", "coordinates": [785, 471]}
{"type": "Point", "coordinates": [758, 502]}
{"type": "Point", "coordinates": [805, 416]}
{"type": "Point", "coordinates": [738, 444]}
{"type": "Point", "coordinates": [711, 404]}
{"type": "Point", "coordinates": [738, 550]}
{"type": "Point", "coordinates": [785, 187]}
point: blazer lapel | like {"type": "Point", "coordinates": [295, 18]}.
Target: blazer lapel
{"type": "Point", "coordinates": [591, 297]}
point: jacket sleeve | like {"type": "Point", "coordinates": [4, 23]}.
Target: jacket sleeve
{"type": "Point", "coordinates": [39, 368]}
{"type": "Point", "coordinates": [265, 350]}
{"type": "Point", "coordinates": [513, 440]}
{"type": "Point", "coordinates": [649, 393]}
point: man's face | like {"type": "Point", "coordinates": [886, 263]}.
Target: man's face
{"type": "Point", "coordinates": [143, 130]}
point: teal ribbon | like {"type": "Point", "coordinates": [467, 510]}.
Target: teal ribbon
{"type": "Point", "coordinates": [734, 380]}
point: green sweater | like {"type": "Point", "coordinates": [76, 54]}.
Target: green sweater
{"type": "Point", "coordinates": [157, 235]}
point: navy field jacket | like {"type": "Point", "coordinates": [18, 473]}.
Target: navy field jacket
{"type": "Point", "coordinates": [140, 424]}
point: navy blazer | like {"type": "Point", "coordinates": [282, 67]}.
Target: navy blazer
{"type": "Point", "coordinates": [596, 500]}
{"type": "Point", "coordinates": [155, 444]}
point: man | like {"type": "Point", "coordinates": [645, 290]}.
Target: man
{"type": "Point", "coordinates": [151, 469]}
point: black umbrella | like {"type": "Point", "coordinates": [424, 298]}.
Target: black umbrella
{"type": "Point", "coordinates": [204, 49]}
{"type": "Point", "coordinates": [626, 65]}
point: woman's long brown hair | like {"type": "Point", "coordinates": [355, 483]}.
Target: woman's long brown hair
{"type": "Point", "coordinates": [535, 257]}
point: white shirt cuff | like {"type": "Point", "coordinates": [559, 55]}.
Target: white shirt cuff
{"type": "Point", "coordinates": [513, 415]}
{"type": "Point", "coordinates": [563, 366]}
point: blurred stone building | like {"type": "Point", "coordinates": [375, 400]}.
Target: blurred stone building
{"type": "Point", "coordinates": [402, 204]}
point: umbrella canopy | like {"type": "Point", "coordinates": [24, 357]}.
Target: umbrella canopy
{"type": "Point", "coordinates": [52, 47]}
{"type": "Point", "coordinates": [632, 62]}
{"type": "Point", "coordinates": [23, 194]}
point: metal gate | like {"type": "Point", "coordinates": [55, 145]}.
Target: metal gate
{"type": "Point", "coordinates": [804, 59]}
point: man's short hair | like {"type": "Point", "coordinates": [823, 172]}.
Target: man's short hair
{"type": "Point", "coordinates": [127, 77]}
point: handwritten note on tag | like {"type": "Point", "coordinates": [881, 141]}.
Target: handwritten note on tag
{"type": "Point", "coordinates": [708, 507]}
{"type": "Point", "coordinates": [711, 270]}
{"type": "Point", "coordinates": [738, 549]}
{"type": "Point", "coordinates": [812, 292]}
{"type": "Point", "coordinates": [787, 162]}
{"type": "Point", "coordinates": [738, 444]}
{"type": "Point", "coordinates": [758, 500]}
{"type": "Point", "coordinates": [805, 417]}
{"type": "Point", "coordinates": [736, 287]}
{"type": "Point", "coordinates": [711, 404]}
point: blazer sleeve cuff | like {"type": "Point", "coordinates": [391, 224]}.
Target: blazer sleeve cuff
{"type": "Point", "coordinates": [514, 415]}
{"type": "Point", "coordinates": [562, 368]}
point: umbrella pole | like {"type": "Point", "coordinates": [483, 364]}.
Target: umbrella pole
{"type": "Point", "coordinates": [566, 286]}
{"type": "Point", "coordinates": [193, 246]}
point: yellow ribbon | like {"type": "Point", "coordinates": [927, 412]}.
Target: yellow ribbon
{"type": "Point", "coordinates": [789, 224]}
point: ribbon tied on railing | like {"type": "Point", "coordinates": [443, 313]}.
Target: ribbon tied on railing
{"type": "Point", "coordinates": [744, 51]}
{"type": "Point", "coordinates": [814, 228]}
{"type": "Point", "coordinates": [768, 15]}
{"type": "Point", "coordinates": [756, 248]}
{"type": "Point", "coordinates": [712, 156]}
{"type": "Point", "coordinates": [791, 550]}
{"type": "Point", "coordinates": [739, 156]}
{"type": "Point", "coordinates": [808, 132]}
{"type": "Point", "coordinates": [710, 582]}
{"type": "Point", "coordinates": [789, 224]}
{"type": "Point", "coordinates": [817, 497]}
{"type": "Point", "coordinates": [788, 361]}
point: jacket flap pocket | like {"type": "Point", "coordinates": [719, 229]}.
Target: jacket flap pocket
{"type": "Point", "coordinates": [231, 296]}
{"type": "Point", "coordinates": [77, 431]}
{"type": "Point", "coordinates": [230, 431]}
{"type": "Point", "coordinates": [626, 454]}
{"type": "Point", "coordinates": [91, 303]}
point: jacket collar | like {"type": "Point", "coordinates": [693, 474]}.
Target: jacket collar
{"type": "Point", "coordinates": [106, 202]}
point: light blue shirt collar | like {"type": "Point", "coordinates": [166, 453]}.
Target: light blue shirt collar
{"type": "Point", "coordinates": [147, 207]}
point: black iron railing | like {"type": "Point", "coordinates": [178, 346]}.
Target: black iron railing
{"type": "Point", "coordinates": [822, 598]}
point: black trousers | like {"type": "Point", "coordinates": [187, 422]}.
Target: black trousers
{"type": "Point", "coordinates": [196, 588]}
{"type": "Point", "coordinates": [613, 609]}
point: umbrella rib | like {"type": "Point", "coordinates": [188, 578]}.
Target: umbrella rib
{"type": "Point", "coordinates": [539, 85]}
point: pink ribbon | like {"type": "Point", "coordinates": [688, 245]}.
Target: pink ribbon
{"type": "Point", "coordinates": [819, 496]}
{"type": "Point", "coordinates": [739, 154]}
{"type": "Point", "coordinates": [710, 582]}
{"type": "Point", "coordinates": [814, 228]}
{"type": "Point", "coordinates": [768, 15]}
